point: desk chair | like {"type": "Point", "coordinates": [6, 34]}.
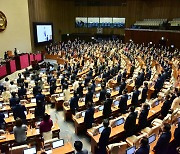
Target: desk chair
{"type": "Point", "coordinates": [117, 148]}
{"type": "Point", "coordinates": [135, 140]}
{"type": "Point", "coordinates": [151, 130]}
{"type": "Point", "coordinates": [18, 149]}
{"type": "Point", "coordinates": [157, 121]}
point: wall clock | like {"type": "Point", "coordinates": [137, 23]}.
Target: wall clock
{"type": "Point", "coordinates": [3, 21]}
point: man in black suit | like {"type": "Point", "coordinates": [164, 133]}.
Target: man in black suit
{"type": "Point", "coordinates": [19, 80]}
{"type": "Point", "coordinates": [104, 138]}
{"type": "Point", "coordinates": [93, 86]}
{"type": "Point", "coordinates": [134, 100]}
{"type": "Point", "coordinates": [89, 96]}
{"type": "Point", "coordinates": [138, 80]}
{"type": "Point", "coordinates": [144, 147]}
{"type": "Point", "coordinates": [53, 87]}
{"type": "Point", "coordinates": [119, 78]}
{"type": "Point", "coordinates": [130, 123]}
{"type": "Point", "coordinates": [14, 100]}
{"type": "Point", "coordinates": [22, 91]}
{"type": "Point", "coordinates": [124, 74]}
{"type": "Point", "coordinates": [158, 85]}
{"type": "Point", "coordinates": [102, 96]}
{"type": "Point", "coordinates": [166, 106]}
{"type": "Point", "coordinates": [177, 135]}
{"type": "Point", "coordinates": [107, 106]}
{"type": "Point", "coordinates": [162, 144]}
{"type": "Point", "coordinates": [122, 86]}
{"type": "Point", "coordinates": [74, 103]}
{"type": "Point", "coordinates": [143, 116]}
{"type": "Point", "coordinates": [144, 92]}
{"type": "Point", "coordinates": [36, 88]}
{"type": "Point", "coordinates": [123, 102]}
{"type": "Point", "coordinates": [18, 111]}
{"type": "Point", "coordinates": [89, 116]}
{"type": "Point", "coordinates": [132, 70]}
{"type": "Point", "coordinates": [80, 90]}
{"type": "Point", "coordinates": [148, 74]}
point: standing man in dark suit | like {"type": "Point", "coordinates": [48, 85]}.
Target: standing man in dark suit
{"type": "Point", "coordinates": [107, 106]}
{"type": "Point", "coordinates": [102, 96]}
{"type": "Point", "coordinates": [123, 102]}
{"type": "Point", "coordinates": [124, 74]}
{"type": "Point", "coordinates": [122, 86]}
{"type": "Point", "coordinates": [134, 100]}
{"type": "Point", "coordinates": [22, 91]}
{"type": "Point", "coordinates": [80, 90]}
{"type": "Point", "coordinates": [144, 92]}
{"type": "Point", "coordinates": [166, 106]}
{"type": "Point", "coordinates": [89, 96]}
{"type": "Point", "coordinates": [144, 147]}
{"type": "Point", "coordinates": [162, 144]}
{"type": "Point", "coordinates": [177, 135]}
{"type": "Point", "coordinates": [74, 103]}
{"type": "Point", "coordinates": [36, 88]}
{"type": "Point", "coordinates": [53, 87]}
{"type": "Point", "coordinates": [104, 138]}
{"type": "Point", "coordinates": [89, 116]}
{"type": "Point", "coordinates": [14, 100]}
{"type": "Point", "coordinates": [130, 123]}
{"type": "Point", "coordinates": [18, 111]}
{"type": "Point", "coordinates": [143, 116]}
{"type": "Point", "coordinates": [119, 78]}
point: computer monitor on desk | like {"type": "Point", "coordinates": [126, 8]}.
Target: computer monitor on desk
{"type": "Point", "coordinates": [131, 150]}
{"type": "Point", "coordinates": [101, 129]}
{"type": "Point", "coordinates": [83, 114]}
{"type": "Point", "coordinates": [101, 108]}
{"type": "Point", "coordinates": [116, 103]}
{"type": "Point", "coordinates": [30, 151]}
{"type": "Point", "coordinates": [58, 143]}
{"type": "Point", "coordinates": [152, 138]}
{"type": "Point", "coordinates": [119, 122]}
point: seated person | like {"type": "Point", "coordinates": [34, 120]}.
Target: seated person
{"type": "Point", "coordinates": [144, 147]}
{"type": "Point", "coordinates": [78, 147]}
{"type": "Point", "coordinates": [46, 124]}
{"type": "Point", "coordinates": [19, 131]}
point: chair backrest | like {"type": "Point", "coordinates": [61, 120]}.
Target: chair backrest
{"type": "Point", "coordinates": [48, 143]}
{"type": "Point", "coordinates": [154, 130]}
{"type": "Point", "coordinates": [18, 149]}
{"type": "Point", "coordinates": [47, 135]}
{"type": "Point", "coordinates": [118, 148]}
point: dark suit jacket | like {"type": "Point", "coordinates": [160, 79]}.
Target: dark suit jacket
{"type": "Point", "coordinates": [80, 91]}
{"type": "Point", "coordinates": [102, 96]}
{"type": "Point", "coordinates": [123, 103]}
{"type": "Point", "coordinates": [130, 123]}
{"type": "Point", "coordinates": [122, 87]}
{"type": "Point", "coordinates": [143, 150]}
{"type": "Point", "coordinates": [89, 117]}
{"type": "Point", "coordinates": [134, 100]}
{"type": "Point", "coordinates": [18, 111]}
{"type": "Point", "coordinates": [74, 103]}
{"type": "Point", "coordinates": [119, 78]}
{"type": "Point", "coordinates": [2, 118]}
{"type": "Point", "coordinates": [22, 92]}
{"type": "Point", "coordinates": [144, 94]}
{"type": "Point", "coordinates": [52, 89]}
{"type": "Point", "coordinates": [165, 108]}
{"type": "Point", "coordinates": [14, 101]}
{"type": "Point", "coordinates": [162, 143]}
{"type": "Point", "coordinates": [104, 138]}
{"type": "Point", "coordinates": [35, 90]}
{"type": "Point", "coordinates": [143, 118]}
{"type": "Point", "coordinates": [107, 107]}
{"type": "Point", "coordinates": [89, 97]}
{"type": "Point", "coordinates": [177, 134]}
{"type": "Point", "coordinates": [40, 99]}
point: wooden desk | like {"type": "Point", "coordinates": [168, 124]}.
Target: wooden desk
{"type": "Point", "coordinates": [66, 149]}
{"type": "Point", "coordinates": [118, 131]}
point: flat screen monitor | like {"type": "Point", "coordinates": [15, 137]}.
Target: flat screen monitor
{"type": "Point", "coordinates": [6, 114]}
{"type": "Point", "coordinates": [43, 33]}
{"type": "Point", "coordinates": [30, 151]}
{"type": "Point", "coordinates": [98, 85]}
{"type": "Point", "coordinates": [117, 88]}
{"type": "Point", "coordinates": [93, 22]}
{"type": "Point", "coordinates": [118, 23]}
{"type": "Point", "coordinates": [120, 122]}
{"type": "Point", "coordinates": [101, 129]}
{"type": "Point", "coordinates": [81, 22]}
{"type": "Point", "coordinates": [116, 103]}
{"type": "Point", "coordinates": [129, 97]}
{"type": "Point", "coordinates": [108, 90]}
{"type": "Point", "coordinates": [131, 150]}
{"type": "Point", "coordinates": [33, 100]}
{"type": "Point", "coordinates": [101, 108]}
{"type": "Point", "coordinates": [97, 95]}
{"type": "Point", "coordinates": [156, 103]}
{"type": "Point", "coordinates": [105, 22]}
{"type": "Point", "coordinates": [58, 143]}
{"type": "Point", "coordinates": [152, 138]}
{"type": "Point", "coordinates": [83, 114]}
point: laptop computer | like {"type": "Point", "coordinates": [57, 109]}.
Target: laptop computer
{"type": "Point", "coordinates": [101, 108]}
{"type": "Point", "coordinates": [30, 151]}
{"type": "Point", "coordinates": [152, 138]}
{"type": "Point", "coordinates": [58, 143]}
{"type": "Point", "coordinates": [156, 103]}
{"type": "Point", "coordinates": [119, 122]}
{"type": "Point", "coordinates": [101, 129]}
{"type": "Point", "coordinates": [131, 150]}
{"type": "Point", "coordinates": [83, 114]}
{"type": "Point", "coordinates": [6, 114]}
{"type": "Point", "coordinates": [116, 103]}
{"type": "Point", "coordinates": [97, 95]}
